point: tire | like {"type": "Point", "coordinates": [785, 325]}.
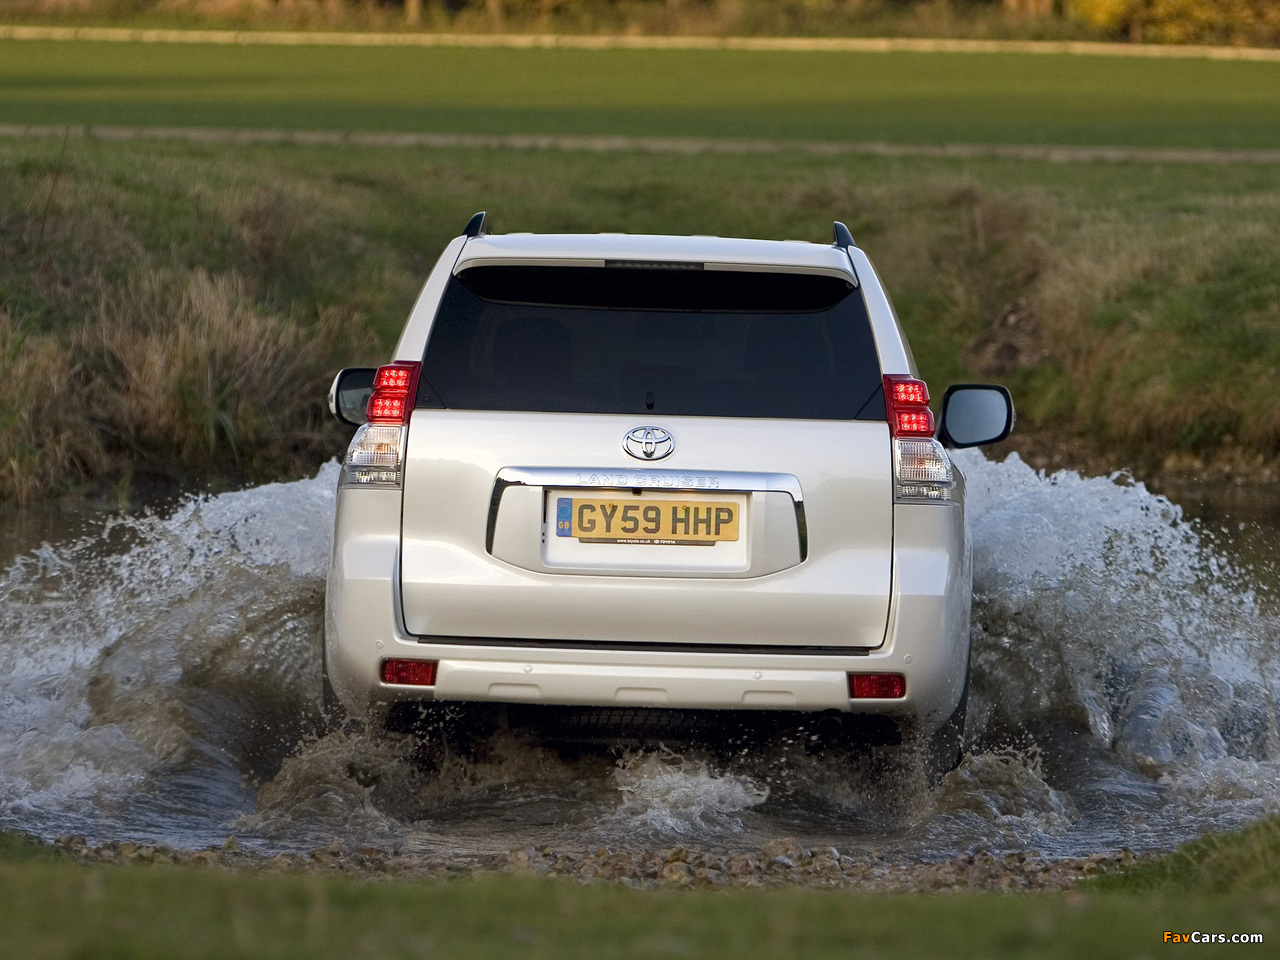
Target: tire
{"type": "Point", "coordinates": [943, 747]}
{"type": "Point", "coordinates": [333, 715]}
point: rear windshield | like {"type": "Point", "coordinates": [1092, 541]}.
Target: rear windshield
{"type": "Point", "coordinates": [658, 340]}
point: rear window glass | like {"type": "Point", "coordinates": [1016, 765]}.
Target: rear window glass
{"type": "Point", "coordinates": [658, 340]}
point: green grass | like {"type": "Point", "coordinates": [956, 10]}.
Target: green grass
{"type": "Point", "coordinates": [1148, 296]}
{"type": "Point", "coordinates": [18, 848]}
{"type": "Point", "coordinates": [55, 908]}
{"type": "Point", "coordinates": [1242, 861]}
{"type": "Point", "coordinates": [901, 97]}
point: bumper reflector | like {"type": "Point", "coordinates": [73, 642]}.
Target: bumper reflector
{"type": "Point", "coordinates": [416, 673]}
{"type": "Point", "coordinates": [877, 686]}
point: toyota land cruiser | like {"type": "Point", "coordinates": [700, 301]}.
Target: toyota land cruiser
{"type": "Point", "coordinates": [657, 473]}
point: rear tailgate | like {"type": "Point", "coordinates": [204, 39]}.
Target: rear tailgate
{"type": "Point", "coordinates": [809, 563]}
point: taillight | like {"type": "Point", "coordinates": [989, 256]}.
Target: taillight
{"type": "Point", "coordinates": [922, 470]}
{"type": "Point", "coordinates": [393, 386]}
{"type": "Point", "coordinates": [907, 404]}
{"type": "Point", "coordinates": [413, 673]}
{"type": "Point", "coordinates": [877, 686]}
{"type": "Point", "coordinates": [376, 455]}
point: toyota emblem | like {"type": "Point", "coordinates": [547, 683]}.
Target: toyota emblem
{"type": "Point", "coordinates": [648, 443]}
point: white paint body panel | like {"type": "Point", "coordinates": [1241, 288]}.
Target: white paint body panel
{"type": "Point", "coordinates": [452, 586]}
{"type": "Point", "coordinates": [435, 573]}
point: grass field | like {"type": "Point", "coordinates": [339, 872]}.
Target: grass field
{"type": "Point", "coordinates": [176, 310]}
{"type": "Point", "coordinates": [202, 294]}
{"type": "Point", "coordinates": [898, 97]}
{"type": "Point", "coordinates": [56, 908]}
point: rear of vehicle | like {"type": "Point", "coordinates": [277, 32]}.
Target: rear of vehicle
{"type": "Point", "coordinates": [655, 473]}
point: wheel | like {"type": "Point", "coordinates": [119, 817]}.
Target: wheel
{"type": "Point", "coordinates": [333, 714]}
{"type": "Point", "coordinates": [942, 750]}
{"type": "Point", "coordinates": [943, 747]}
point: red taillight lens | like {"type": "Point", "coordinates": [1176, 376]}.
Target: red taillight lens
{"type": "Point", "coordinates": [393, 387]}
{"type": "Point", "coordinates": [877, 686]}
{"type": "Point", "coordinates": [395, 376]}
{"type": "Point", "coordinates": [384, 409]}
{"type": "Point", "coordinates": [907, 405]}
{"type": "Point", "coordinates": [416, 673]}
{"type": "Point", "coordinates": [905, 391]}
{"type": "Point", "coordinates": [913, 423]}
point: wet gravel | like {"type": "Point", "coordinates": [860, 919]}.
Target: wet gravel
{"type": "Point", "coordinates": [781, 862]}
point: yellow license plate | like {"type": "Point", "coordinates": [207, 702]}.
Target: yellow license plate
{"type": "Point", "coordinates": [683, 522]}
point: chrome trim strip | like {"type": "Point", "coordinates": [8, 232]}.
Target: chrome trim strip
{"type": "Point", "coordinates": [628, 478]}
{"type": "Point", "coordinates": [495, 500]}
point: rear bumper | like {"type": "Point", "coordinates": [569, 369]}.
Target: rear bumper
{"type": "Point", "coordinates": [692, 681]}
{"type": "Point", "coordinates": [927, 640]}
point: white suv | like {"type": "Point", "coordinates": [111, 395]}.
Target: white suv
{"type": "Point", "coordinates": [649, 477]}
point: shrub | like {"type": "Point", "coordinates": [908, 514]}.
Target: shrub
{"type": "Point", "coordinates": [1183, 21]}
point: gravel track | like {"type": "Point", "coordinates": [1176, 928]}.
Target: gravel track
{"type": "Point", "coordinates": [656, 145]}
{"type": "Point", "coordinates": [781, 862]}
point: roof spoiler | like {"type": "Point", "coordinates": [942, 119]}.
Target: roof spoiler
{"type": "Point", "coordinates": [841, 236]}
{"type": "Point", "coordinates": [475, 226]}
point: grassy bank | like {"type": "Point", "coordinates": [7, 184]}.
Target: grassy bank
{"type": "Point", "coordinates": [57, 908]}
{"type": "Point", "coordinates": [173, 312]}
{"type": "Point", "coordinates": [894, 97]}
{"type": "Point", "coordinates": [1241, 861]}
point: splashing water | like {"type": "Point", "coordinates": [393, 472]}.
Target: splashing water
{"type": "Point", "coordinates": [161, 678]}
{"type": "Point", "coordinates": [147, 665]}
{"type": "Point", "coordinates": [670, 795]}
{"type": "Point", "coordinates": [1138, 660]}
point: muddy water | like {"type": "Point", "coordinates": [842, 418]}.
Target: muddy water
{"type": "Point", "coordinates": [158, 683]}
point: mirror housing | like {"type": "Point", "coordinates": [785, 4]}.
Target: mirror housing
{"type": "Point", "coordinates": [349, 395]}
{"type": "Point", "coordinates": [974, 414]}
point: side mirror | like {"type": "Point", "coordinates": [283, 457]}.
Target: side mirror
{"type": "Point", "coordinates": [974, 414]}
{"type": "Point", "coordinates": [349, 394]}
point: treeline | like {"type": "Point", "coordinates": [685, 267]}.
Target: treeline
{"type": "Point", "coordinates": [1174, 21]}
{"type": "Point", "coordinates": [1157, 21]}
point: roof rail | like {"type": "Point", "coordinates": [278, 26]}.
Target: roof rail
{"type": "Point", "coordinates": [475, 226]}
{"type": "Point", "coordinates": [843, 238]}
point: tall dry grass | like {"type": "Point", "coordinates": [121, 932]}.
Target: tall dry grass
{"type": "Point", "coordinates": [1149, 327]}
{"type": "Point", "coordinates": [44, 443]}
{"type": "Point", "coordinates": [178, 377]}
{"type": "Point", "coordinates": [174, 312]}
{"type": "Point", "coordinates": [167, 324]}
{"type": "Point", "coordinates": [1171, 328]}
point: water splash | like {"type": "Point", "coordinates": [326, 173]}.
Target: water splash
{"type": "Point", "coordinates": [1135, 657]}
{"type": "Point", "coordinates": [668, 795]}
{"type": "Point", "coordinates": [160, 682]}
{"type": "Point", "coordinates": [149, 665]}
